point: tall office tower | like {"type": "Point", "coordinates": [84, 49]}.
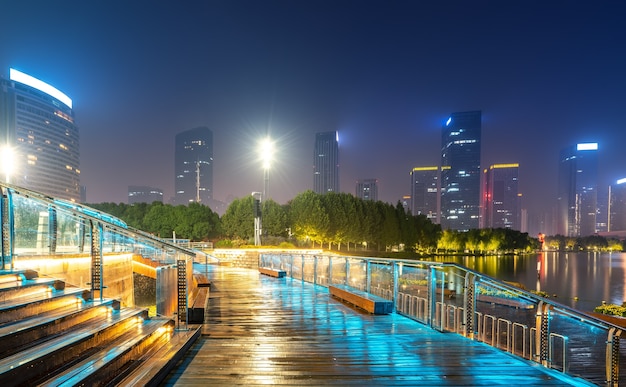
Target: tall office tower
{"type": "Point", "coordinates": [37, 124]}
{"type": "Point", "coordinates": [617, 206]}
{"type": "Point", "coordinates": [425, 189]}
{"type": "Point", "coordinates": [194, 166]}
{"type": "Point", "coordinates": [367, 189]}
{"type": "Point", "coordinates": [143, 194]}
{"type": "Point", "coordinates": [577, 190]}
{"type": "Point", "coordinates": [602, 213]}
{"type": "Point", "coordinates": [326, 163]}
{"type": "Point", "coordinates": [501, 198]}
{"type": "Point", "coordinates": [460, 173]}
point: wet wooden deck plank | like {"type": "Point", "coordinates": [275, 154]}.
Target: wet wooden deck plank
{"type": "Point", "coordinates": [279, 331]}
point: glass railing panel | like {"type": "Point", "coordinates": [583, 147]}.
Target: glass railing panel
{"type": "Point", "coordinates": [576, 346]}
{"type": "Point", "coordinates": [30, 220]}
{"type": "Point", "coordinates": [339, 270]}
{"type": "Point", "coordinates": [308, 273]}
{"type": "Point", "coordinates": [381, 279]}
{"type": "Point", "coordinates": [413, 291]}
{"type": "Point", "coordinates": [505, 317]}
{"type": "Point", "coordinates": [297, 266]}
{"type": "Point", "coordinates": [357, 273]}
{"type": "Point", "coordinates": [322, 270]}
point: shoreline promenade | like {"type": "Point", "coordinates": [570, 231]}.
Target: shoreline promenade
{"type": "Point", "coordinates": [262, 330]}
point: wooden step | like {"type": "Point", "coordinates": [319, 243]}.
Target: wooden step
{"type": "Point", "coordinates": [119, 355]}
{"type": "Point", "coordinates": [157, 363]}
{"type": "Point", "coordinates": [62, 351]}
{"type": "Point", "coordinates": [25, 333]}
{"type": "Point", "coordinates": [23, 307]}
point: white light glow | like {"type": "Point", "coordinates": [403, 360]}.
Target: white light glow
{"type": "Point", "coordinates": [266, 151]}
{"type": "Point", "coordinates": [449, 120]}
{"type": "Point", "coordinates": [587, 146]}
{"type": "Point", "coordinates": [26, 79]}
{"type": "Point", "coordinates": [621, 181]}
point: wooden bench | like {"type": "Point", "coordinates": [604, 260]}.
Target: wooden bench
{"type": "Point", "coordinates": [363, 300]}
{"type": "Point", "coordinates": [272, 272]}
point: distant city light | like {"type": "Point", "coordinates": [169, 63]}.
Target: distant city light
{"type": "Point", "coordinates": [28, 80]}
{"type": "Point", "coordinates": [587, 146]}
{"type": "Point", "coordinates": [449, 120]}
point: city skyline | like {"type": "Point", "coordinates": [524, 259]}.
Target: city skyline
{"type": "Point", "coordinates": [386, 78]}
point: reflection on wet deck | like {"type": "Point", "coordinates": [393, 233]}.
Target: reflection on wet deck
{"type": "Point", "coordinates": [262, 330]}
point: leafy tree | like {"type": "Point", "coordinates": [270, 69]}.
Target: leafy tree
{"type": "Point", "coordinates": [308, 218]}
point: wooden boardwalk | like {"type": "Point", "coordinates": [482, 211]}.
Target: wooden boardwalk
{"type": "Point", "coordinates": [279, 331]}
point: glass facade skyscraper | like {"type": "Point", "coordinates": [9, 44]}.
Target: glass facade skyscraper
{"type": "Point", "coordinates": [577, 190]}
{"type": "Point", "coordinates": [460, 174]}
{"type": "Point", "coordinates": [501, 197]}
{"type": "Point", "coordinates": [326, 163]}
{"type": "Point", "coordinates": [144, 194]}
{"type": "Point", "coordinates": [425, 189]}
{"type": "Point", "coordinates": [193, 164]}
{"type": "Point", "coordinates": [37, 123]}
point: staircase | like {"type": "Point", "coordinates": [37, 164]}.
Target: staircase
{"type": "Point", "coordinates": [53, 334]}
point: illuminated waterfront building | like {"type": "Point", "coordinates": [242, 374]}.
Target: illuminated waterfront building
{"type": "Point", "coordinates": [617, 206]}
{"type": "Point", "coordinates": [425, 192]}
{"type": "Point", "coordinates": [501, 197]}
{"type": "Point", "coordinates": [460, 174]}
{"type": "Point", "coordinates": [326, 163]}
{"type": "Point", "coordinates": [37, 124]}
{"type": "Point", "coordinates": [193, 164]}
{"type": "Point", "coordinates": [367, 189]}
{"type": "Point", "coordinates": [143, 194]}
{"type": "Point", "coordinates": [577, 190]}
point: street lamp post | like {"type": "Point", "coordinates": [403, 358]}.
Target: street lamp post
{"type": "Point", "coordinates": [266, 151]}
{"type": "Point", "coordinates": [257, 218]}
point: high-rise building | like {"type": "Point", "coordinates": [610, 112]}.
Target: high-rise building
{"type": "Point", "coordinates": [326, 163]}
{"type": "Point", "coordinates": [425, 188]}
{"type": "Point", "coordinates": [37, 125]}
{"type": "Point", "coordinates": [367, 189]}
{"type": "Point", "coordinates": [143, 194]}
{"type": "Point", "coordinates": [577, 190]}
{"type": "Point", "coordinates": [460, 174]}
{"type": "Point", "coordinates": [501, 197]}
{"type": "Point", "coordinates": [194, 166]}
{"type": "Point", "coordinates": [617, 206]}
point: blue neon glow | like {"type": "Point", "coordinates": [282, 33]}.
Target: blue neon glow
{"type": "Point", "coordinates": [587, 146]}
{"type": "Point", "coordinates": [26, 79]}
{"type": "Point", "coordinates": [449, 120]}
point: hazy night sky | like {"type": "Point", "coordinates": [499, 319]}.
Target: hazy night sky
{"type": "Point", "coordinates": [385, 74]}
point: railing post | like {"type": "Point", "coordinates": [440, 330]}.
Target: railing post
{"type": "Point", "coordinates": [181, 267]}
{"type": "Point", "coordinates": [52, 230]}
{"type": "Point", "coordinates": [315, 269]}
{"type": "Point", "coordinates": [8, 229]}
{"type": "Point", "coordinates": [612, 357]}
{"type": "Point", "coordinates": [397, 271]}
{"type": "Point", "coordinates": [330, 270]}
{"type": "Point", "coordinates": [469, 305]}
{"type": "Point", "coordinates": [542, 334]}
{"type": "Point", "coordinates": [347, 279]}
{"type": "Point", "coordinates": [368, 275]}
{"type": "Point", "coordinates": [96, 258]}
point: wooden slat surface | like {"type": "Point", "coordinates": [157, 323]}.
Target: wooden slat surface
{"type": "Point", "coordinates": [266, 331]}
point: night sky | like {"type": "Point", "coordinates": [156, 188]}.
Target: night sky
{"type": "Point", "coordinates": [385, 74]}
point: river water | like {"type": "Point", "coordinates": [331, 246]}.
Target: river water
{"type": "Point", "coordinates": [579, 280]}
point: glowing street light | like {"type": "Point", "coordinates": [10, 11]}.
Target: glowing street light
{"type": "Point", "coordinates": [266, 153]}
{"type": "Point", "coordinates": [7, 158]}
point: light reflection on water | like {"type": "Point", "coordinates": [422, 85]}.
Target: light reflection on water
{"type": "Point", "coordinates": [592, 277]}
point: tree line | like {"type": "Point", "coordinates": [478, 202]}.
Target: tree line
{"type": "Point", "coordinates": [338, 221]}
